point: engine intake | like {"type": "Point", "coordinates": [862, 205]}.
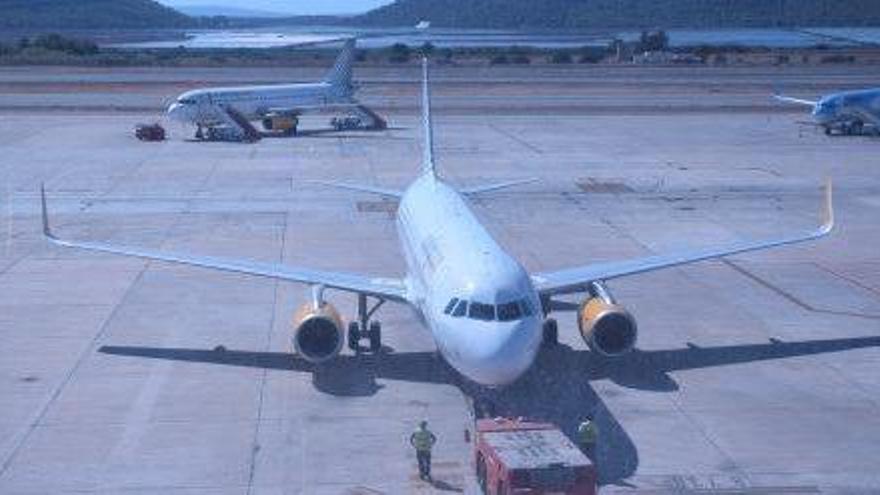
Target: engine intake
{"type": "Point", "coordinates": [606, 327]}
{"type": "Point", "coordinates": [317, 332]}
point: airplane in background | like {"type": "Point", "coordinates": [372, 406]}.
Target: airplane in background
{"type": "Point", "coordinates": [226, 113]}
{"type": "Point", "coordinates": [487, 314]}
{"type": "Point", "coordinates": [846, 112]}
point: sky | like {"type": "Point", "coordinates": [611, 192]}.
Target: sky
{"type": "Point", "coordinates": [306, 7]}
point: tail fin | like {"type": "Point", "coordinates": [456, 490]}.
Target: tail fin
{"type": "Point", "coordinates": [341, 73]}
{"type": "Point", "coordinates": [428, 151]}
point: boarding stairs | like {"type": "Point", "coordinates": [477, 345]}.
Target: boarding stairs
{"type": "Point", "coordinates": [373, 120]}
{"type": "Point", "coordinates": [242, 127]}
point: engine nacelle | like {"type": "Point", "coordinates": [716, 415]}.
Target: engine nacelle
{"type": "Point", "coordinates": [317, 332]}
{"type": "Point", "coordinates": [606, 327]}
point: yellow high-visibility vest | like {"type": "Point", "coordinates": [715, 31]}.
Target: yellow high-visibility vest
{"type": "Point", "coordinates": [422, 440]}
{"type": "Point", "coordinates": [588, 432]}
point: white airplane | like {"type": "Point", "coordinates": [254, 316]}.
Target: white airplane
{"type": "Point", "coordinates": [846, 112]}
{"type": "Point", "coordinates": [276, 106]}
{"type": "Point", "coordinates": [487, 314]}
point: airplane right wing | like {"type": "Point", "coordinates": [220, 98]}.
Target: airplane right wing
{"type": "Point", "coordinates": [385, 288]}
{"type": "Point", "coordinates": [577, 279]}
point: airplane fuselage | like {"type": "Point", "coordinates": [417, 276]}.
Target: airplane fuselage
{"type": "Point", "coordinates": [203, 107]}
{"type": "Point", "coordinates": [479, 303]}
{"type": "Point", "coordinates": [850, 106]}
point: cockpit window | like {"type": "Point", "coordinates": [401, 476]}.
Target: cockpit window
{"type": "Point", "coordinates": [451, 305]}
{"type": "Point", "coordinates": [460, 309]}
{"type": "Point", "coordinates": [480, 311]}
{"type": "Point", "coordinates": [509, 311]}
{"type": "Point", "coordinates": [187, 101]}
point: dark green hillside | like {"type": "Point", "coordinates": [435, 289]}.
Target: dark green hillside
{"type": "Point", "coordinates": [88, 14]}
{"type": "Point", "coordinates": [626, 13]}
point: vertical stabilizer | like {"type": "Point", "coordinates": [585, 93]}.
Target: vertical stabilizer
{"type": "Point", "coordinates": [340, 76]}
{"type": "Point", "coordinates": [428, 151]}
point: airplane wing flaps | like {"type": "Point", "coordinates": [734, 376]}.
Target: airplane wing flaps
{"type": "Point", "coordinates": [576, 279]}
{"type": "Point", "coordinates": [388, 288]}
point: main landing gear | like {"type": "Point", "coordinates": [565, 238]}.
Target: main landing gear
{"type": "Point", "coordinates": [550, 328]}
{"type": "Point", "coordinates": [363, 328]}
{"type": "Point", "coordinates": [551, 332]}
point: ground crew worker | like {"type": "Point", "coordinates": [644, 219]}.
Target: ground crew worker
{"type": "Point", "coordinates": [423, 440]}
{"type": "Point", "coordinates": [588, 436]}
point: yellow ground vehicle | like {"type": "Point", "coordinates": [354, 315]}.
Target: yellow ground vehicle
{"type": "Point", "coordinates": [283, 124]}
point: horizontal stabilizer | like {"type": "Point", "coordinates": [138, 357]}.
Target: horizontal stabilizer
{"type": "Point", "coordinates": [496, 186]}
{"type": "Point", "coordinates": [358, 187]}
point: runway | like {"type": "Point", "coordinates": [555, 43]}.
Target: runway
{"type": "Point", "coordinates": [756, 374]}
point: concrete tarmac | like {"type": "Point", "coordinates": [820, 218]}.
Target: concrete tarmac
{"type": "Point", "coordinates": [756, 374]}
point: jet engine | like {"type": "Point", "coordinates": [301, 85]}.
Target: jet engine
{"type": "Point", "coordinates": [605, 326]}
{"type": "Point", "coordinates": [317, 332]}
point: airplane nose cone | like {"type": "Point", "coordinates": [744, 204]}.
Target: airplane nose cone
{"type": "Point", "coordinates": [503, 354]}
{"type": "Point", "coordinates": [177, 112]}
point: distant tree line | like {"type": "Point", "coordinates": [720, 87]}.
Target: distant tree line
{"type": "Point", "coordinates": [50, 43]}
{"type": "Point", "coordinates": [626, 13]}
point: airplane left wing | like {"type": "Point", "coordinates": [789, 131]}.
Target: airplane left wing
{"type": "Point", "coordinates": [385, 288]}
{"type": "Point", "coordinates": [577, 279]}
{"type": "Point", "coordinates": [797, 101]}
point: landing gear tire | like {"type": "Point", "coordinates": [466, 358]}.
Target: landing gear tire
{"type": "Point", "coordinates": [551, 332]}
{"type": "Point", "coordinates": [827, 131]}
{"type": "Point", "coordinates": [857, 128]}
{"type": "Point", "coordinates": [375, 336]}
{"type": "Point", "coordinates": [364, 327]}
{"type": "Point", "coordinates": [199, 134]}
{"type": "Point", "coordinates": [354, 336]}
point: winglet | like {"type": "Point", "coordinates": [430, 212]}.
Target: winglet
{"type": "Point", "coordinates": [828, 213]}
{"type": "Point", "coordinates": [46, 230]}
{"type": "Point", "coordinates": [428, 158]}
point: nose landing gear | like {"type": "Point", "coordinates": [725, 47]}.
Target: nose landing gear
{"type": "Point", "coordinates": [551, 332]}
{"type": "Point", "coordinates": [364, 328]}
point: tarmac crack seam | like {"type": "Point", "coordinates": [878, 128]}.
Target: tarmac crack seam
{"type": "Point", "coordinates": [731, 468]}
{"type": "Point", "coordinates": [846, 278]}
{"type": "Point", "coordinates": [22, 436]}
{"type": "Point", "coordinates": [791, 297]}
{"type": "Point", "coordinates": [88, 351]}
{"type": "Point", "coordinates": [12, 265]}
{"type": "Point", "coordinates": [255, 446]}
{"type": "Point", "coordinates": [518, 140]}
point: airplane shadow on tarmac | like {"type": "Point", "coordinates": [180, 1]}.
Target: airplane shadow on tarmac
{"type": "Point", "coordinates": [556, 389]}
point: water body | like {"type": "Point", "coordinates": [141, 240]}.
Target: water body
{"type": "Point", "coordinates": [276, 37]}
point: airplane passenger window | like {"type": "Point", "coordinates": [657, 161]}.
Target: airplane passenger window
{"type": "Point", "coordinates": [509, 311]}
{"type": "Point", "coordinates": [480, 311]}
{"type": "Point", "coordinates": [451, 305]}
{"type": "Point", "coordinates": [461, 309]}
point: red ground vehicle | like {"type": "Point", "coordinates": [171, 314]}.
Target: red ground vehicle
{"type": "Point", "coordinates": [514, 456]}
{"type": "Point", "coordinates": [149, 132]}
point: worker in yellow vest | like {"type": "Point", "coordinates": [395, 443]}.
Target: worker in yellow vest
{"type": "Point", "coordinates": [588, 436]}
{"type": "Point", "coordinates": [423, 441]}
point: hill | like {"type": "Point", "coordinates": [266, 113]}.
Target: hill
{"type": "Point", "coordinates": [507, 14]}
{"type": "Point", "coordinates": [89, 14]}
{"type": "Point", "coordinates": [215, 10]}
